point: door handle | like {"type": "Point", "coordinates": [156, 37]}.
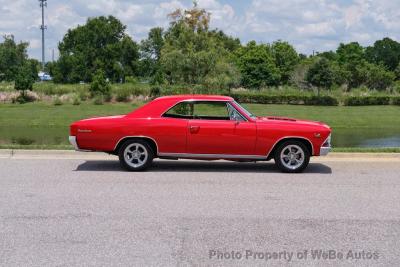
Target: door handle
{"type": "Point", "coordinates": [194, 129]}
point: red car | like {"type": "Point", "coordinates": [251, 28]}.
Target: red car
{"type": "Point", "coordinates": [201, 127]}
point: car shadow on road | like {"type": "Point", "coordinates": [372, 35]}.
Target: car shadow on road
{"type": "Point", "coordinates": [200, 166]}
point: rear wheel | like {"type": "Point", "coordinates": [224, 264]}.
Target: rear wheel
{"type": "Point", "coordinates": [292, 157]}
{"type": "Point", "coordinates": [135, 155]}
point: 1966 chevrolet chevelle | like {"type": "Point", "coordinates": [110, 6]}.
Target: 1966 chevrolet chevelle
{"type": "Point", "coordinates": [201, 127]}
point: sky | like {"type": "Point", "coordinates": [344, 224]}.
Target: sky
{"type": "Point", "coordinates": [309, 25]}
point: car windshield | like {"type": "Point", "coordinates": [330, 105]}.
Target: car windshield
{"type": "Point", "coordinates": [248, 113]}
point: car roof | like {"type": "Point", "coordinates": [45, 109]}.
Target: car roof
{"type": "Point", "coordinates": [197, 97]}
{"type": "Point", "coordinates": [160, 105]}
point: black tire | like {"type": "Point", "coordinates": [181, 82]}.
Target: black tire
{"type": "Point", "coordinates": [143, 162]}
{"type": "Point", "coordinates": [291, 146]}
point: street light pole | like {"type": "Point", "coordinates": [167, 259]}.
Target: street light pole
{"type": "Point", "coordinates": [43, 3]}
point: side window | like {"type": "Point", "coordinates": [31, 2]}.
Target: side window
{"type": "Point", "coordinates": [204, 110]}
{"type": "Point", "coordinates": [183, 110]}
{"type": "Point", "coordinates": [210, 110]}
{"type": "Point", "coordinates": [234, 115]}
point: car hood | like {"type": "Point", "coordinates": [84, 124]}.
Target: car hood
{"type": "Point", "coordinates": [290, 121]}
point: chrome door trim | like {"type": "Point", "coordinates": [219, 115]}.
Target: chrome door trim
{"type": "Point", "coordinates": [212, 156]}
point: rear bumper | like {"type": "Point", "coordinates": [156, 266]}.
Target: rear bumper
{"type": "Point", "coordinates": [74, 143]}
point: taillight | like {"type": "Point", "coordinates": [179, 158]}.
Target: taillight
{"type": "Point", "coordinates": [73, 129]}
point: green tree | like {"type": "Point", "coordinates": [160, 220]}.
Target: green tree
{"type": "Point", "coordinates": [190, 54]}
{"type": "Point", "coordinates": [321, 74]}
{"type": "Point", "coordinates": [24, 80]}
{"type": "Point", "coordinates": [350, 53]}
{"type": "Point", "coordinates": [385, 52]}
{"type": "Point", "coordinates": [397, 72]}
{"type": "Point", "coordinates": [350, 58]}
{"type": "Point", "coordinates": [257, 65]}
{"type": "Point", "coordinates": [377, 77]}
{"type": "Point", "coordinates": [12, 57]}
{"type": "Point", "coordinates": [150, 50]}
{"type": "Point", "coordinates": [99, 44]}
{"type": "Point", "coordinates": [229, 43]}
{"type": "Point", "coordinates": [286, 58]}
{"type": "Point", "coordinates": [224, 76]}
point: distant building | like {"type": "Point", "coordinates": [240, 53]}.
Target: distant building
{"type": "Point", "coordinates": [43, 76]}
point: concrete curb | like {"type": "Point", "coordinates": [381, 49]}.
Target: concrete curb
{"type": "Point", "coordinates": [52, 154]}
{"type": "Point", "coordinates": [70, 154]}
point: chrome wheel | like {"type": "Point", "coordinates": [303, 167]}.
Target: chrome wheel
{"type": "Point", "coordinates": [136, 155]}
{"type": "Point", "coordinates": [292, 157]}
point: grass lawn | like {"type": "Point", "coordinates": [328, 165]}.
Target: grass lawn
{"type": "Point", "coordinates": [43, 125]}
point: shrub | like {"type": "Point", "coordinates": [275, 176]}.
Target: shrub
{"type": "Point", "coordinates": [366, 100]}
{"type": "Point", "coordinates": [100, 86]}
{"type": "Point", "coordinates": [57, 101]}
{"type": "Point", "coordinates": [396, 100]}
{"type": "Point", "coordinates": [131, 80]}
{"type": "Point", "coordinates": [321, 101]}
{"type": "Point", "coordinates": [98, 100]}
{"type": "Point", "coordinates": [22, 141]}
{"type": "Point", "coordinates": [83, 95]}
{"type": "Point", "coordinates": [25, 97]}
{"type": "Point", "coordinates": [123, 95]}
{"type": "Point", "coordinates": [24, 80]}
{"type": "Point", "coordinates": [76, 101]}
{"type": "Point", "coordinates": [155, 91]}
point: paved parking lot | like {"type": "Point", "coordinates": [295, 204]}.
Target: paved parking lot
{"type": "Point", "coordinates": [73, 210]}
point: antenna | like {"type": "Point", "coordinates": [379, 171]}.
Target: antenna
{"type": "Point", "coordinates": [43, 4]}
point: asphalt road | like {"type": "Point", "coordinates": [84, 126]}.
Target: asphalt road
{"type": "Point", "coordinates": [67, 210]}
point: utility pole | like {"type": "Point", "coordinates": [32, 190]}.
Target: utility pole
{"type": "Point", "coordinates": [43, 4]}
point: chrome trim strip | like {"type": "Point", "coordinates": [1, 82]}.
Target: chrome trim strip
{"type": "Point", "coordinates": [211, 156]}
{"type": "Point", "coordinates": [288, 137]}
{"type": "Point", "coordinates": [136, 136]}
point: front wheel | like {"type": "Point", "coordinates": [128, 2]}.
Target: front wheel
{"type": "Point", "coordinates": [135, 155]}
{"type": "Point", "coordinates": [292, 157]}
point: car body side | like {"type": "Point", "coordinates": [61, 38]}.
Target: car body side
{"type": "Point", "coordinates": [254, 139]}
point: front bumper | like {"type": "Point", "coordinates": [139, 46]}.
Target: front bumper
{"type": "Point", "coordinates": [324, 151]}
{"type": "Point", "coordinates": [326, 146]}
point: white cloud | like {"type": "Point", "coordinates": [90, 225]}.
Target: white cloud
{"type": "Point", "coordinates": [315, 29]}
{"type": "Point", "coordinates": [308, 24]}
